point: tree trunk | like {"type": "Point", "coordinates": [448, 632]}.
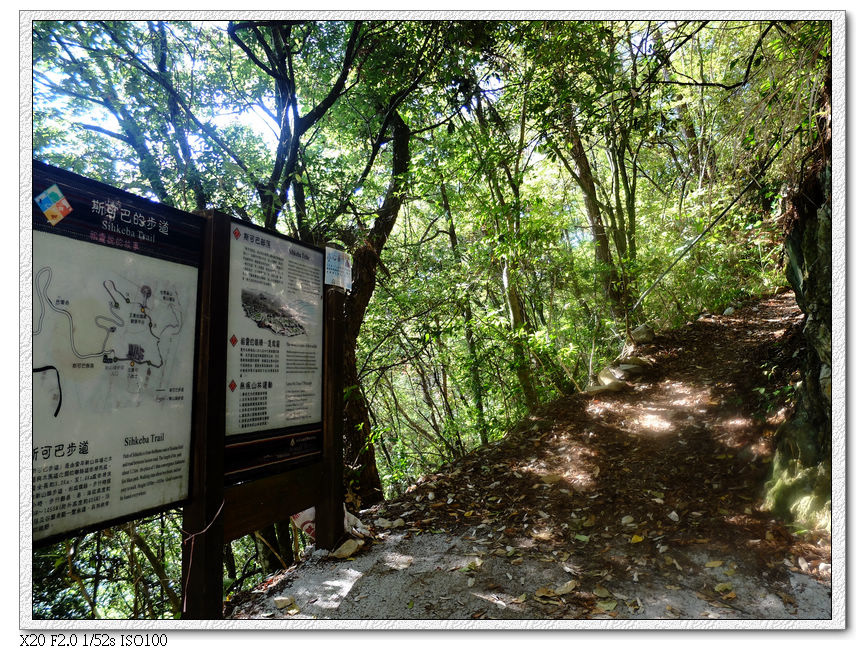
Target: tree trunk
{"type": "Point", "coordinates": [611, 282]}
{"type": "Point", "coordinates": [156, 565]}
{"type": "Point", "coordinates": [284, 540]}
{"type": "Point", "coordinates": [518, 331]}
{"type": "Point", "coordinates": [474, 363]}
{"type": "Point", "coordinates": [361, 471]}
{"type": "Point", "coordinates": [266, 548]}
{"type": "Point", "coordinates": [230, 564]}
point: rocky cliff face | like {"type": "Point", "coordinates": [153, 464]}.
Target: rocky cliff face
{"type": "Point", "coordinates": [800, 486]}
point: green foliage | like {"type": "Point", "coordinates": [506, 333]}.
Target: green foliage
{"type": "Point", "coordinates": [105, 575]}
{"type": "Point", "coordinates": [557, 169]}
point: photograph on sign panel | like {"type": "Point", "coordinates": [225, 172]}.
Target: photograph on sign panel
{"type": "Point", "coordinates": [268, 312]}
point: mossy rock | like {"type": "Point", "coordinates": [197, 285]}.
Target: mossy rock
{"type": "Point", "coordinates": [609, 376]}
{"type": "Point", "coordinates": [801, 495]}
{"type": "Point", "coordinates": [612, 387]}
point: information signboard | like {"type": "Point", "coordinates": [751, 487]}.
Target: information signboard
{"type": "Point", "coordinates": [338, 269]}
{"type": "Point", "coordinates": [115, 282]}
{"type": "Point", "coordinates": [275, 335]}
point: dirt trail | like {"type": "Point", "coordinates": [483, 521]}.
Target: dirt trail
{"type": "Point", "coordinates": [642, 504]}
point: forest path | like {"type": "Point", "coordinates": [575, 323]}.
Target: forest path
{"type": "Point", "coordinates": [642, 504]}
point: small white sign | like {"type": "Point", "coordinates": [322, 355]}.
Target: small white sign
{"type": "Point", "coordinates": [337, 270]}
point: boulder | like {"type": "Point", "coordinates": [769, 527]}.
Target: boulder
{"type": "Point", "coordinates": [612, 387]}
{"type": "Point", "coordinates": [284, 602]}
{"type": "Point", "coordinates": [643, 334]}
{"type": "Point", "coordinates": [630, 370]}
{"type": "Point", "coordinates": [800, 488]}
{"type": "Point", "coordinates": [347, 549]}
{"type": "Point", "coordinates": [610, 374]}
{"type": "Point", "coordinates": [635, 361]}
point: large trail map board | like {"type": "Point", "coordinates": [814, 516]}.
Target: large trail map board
{"type": "Point", "coordinates": [115, 282]}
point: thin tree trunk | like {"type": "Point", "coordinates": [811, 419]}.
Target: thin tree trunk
{"type": "Point", "coordinates": [609, 276]}
{"type": "Point", "coordinates": [230, 564]}
{"type": "Point", "coordinates": [518, 330]}
{"type": "Point", "coordinates": [474, 364]}
{"type": "Point", "coordinates": [266, 547]}
{"type": "Point", "coordinates": [155, 564]}
{"type": "Point", "coordinates": [284, 539]}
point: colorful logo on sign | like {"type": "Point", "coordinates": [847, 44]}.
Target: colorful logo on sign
{"type": "Point", "coordinates": [53, 204]}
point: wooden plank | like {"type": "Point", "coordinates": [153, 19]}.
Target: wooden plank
{"type": "Point", "coordinates": [253, 505]}
{"type": "Point", "coordinates": [329, 529]}
{"type": "Point", "coordinates": [202, 552]}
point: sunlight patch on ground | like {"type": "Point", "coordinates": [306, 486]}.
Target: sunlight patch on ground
{"type": "Point", "coordinates": [581, 481]}
{"type": "Point", "coordinates": [398, 561]}
{"type": "Point", "coordinates": [596, 408]}
{"type": "Point", "coordinates": [654, 423]}
{"type": "Point", "coordinates": [332, 592]}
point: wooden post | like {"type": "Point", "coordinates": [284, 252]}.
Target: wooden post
{"type": "Point", "coordinates": [329, 509]}
{"type": "Point", "coordinates": [202, 518]}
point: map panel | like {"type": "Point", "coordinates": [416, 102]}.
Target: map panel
{"type": "Point", "coordinates": [113, 363]}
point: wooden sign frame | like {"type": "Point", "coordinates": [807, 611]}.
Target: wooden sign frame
{"type": "Point", "coordinates": [226, 505]}
{"type": "Point", "coordinates": [234, 487]}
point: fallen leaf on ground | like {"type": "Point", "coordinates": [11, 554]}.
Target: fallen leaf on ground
{"type": "Point", "coordinates": [286, 602]}
{"type": "Point", "coordinates": [714, 563]}
{"type": "Point", "coordinates": [566, 588]}
{"type": "Point", "coordinates": [636, 539]}
{"type": "Point", "coordinates": [606, 605]}
{"type": "Point", "coordinates": [347, 549]}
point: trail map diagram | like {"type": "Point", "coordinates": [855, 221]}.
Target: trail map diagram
{"type": "Point", "coordinates": [114, 338]}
